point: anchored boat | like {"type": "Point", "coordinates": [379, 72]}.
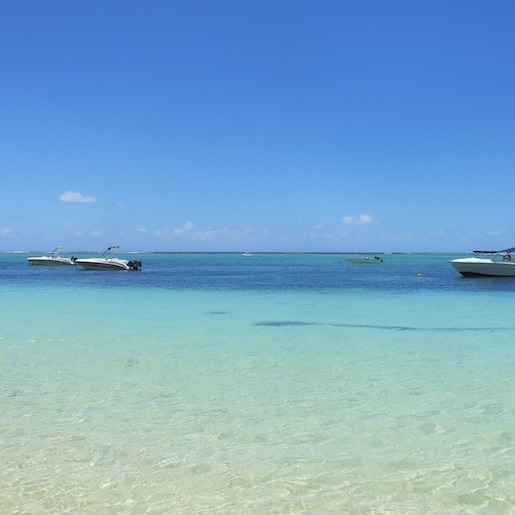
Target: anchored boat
{"type": "Point", "coordinates": [108, 262]}
{"type": "Point", "coordinates": [500, 264]}
{"type": "Point", "coordinates": [52, 260]}
{"type": "Point", "coordinates": [365, 260]}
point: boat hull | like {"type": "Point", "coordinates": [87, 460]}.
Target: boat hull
{"type": "Point", "coordinates": [476, 267]}
{"type": "Point", "coordinates": [50, 261]}
{"type": "Point", "coordinates": [108, 264]}
{"type": "Point", "coordinates": [102, 264]}
{"type": "Point", "coordinates": [365, 260]}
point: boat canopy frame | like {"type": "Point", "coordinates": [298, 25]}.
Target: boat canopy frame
{"type": "Point", "coordinates": [110, 249]}
{"type": "Point", "coordinates": [504, 252]}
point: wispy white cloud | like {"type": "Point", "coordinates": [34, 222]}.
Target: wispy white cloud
{"type": "Point", "coordinates": [134, 232]}
{"type": "Point", "coordinates": [190, 231]}
{"type": "Point", "coordinates": [188, 228]}
{"type": "Point", "coordinates": [71, 228]}
{"type": "Point", "coordinates": [161, 233]}
{"type": "Point", "coordinates": [361, 220]}
{"type": "Point", "coordinates": [75, 196]}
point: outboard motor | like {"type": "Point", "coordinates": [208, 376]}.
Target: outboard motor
{"type": "Point", "coordinates": [135, 265]}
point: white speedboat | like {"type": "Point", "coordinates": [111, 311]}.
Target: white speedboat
{"type": "Point", "coordinates": [364, 260]}
{"type": "Point", "coordinates": [108, 262]}
{"type": "Point", "coordinates": [52, 260]}
{"type": "Point", "coordinates": [499, 265]}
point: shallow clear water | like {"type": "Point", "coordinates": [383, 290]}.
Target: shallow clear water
{"type": "Point", "coordinates": [217, 383]}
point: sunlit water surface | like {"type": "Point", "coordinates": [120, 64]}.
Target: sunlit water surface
{"type": "Point", "coordinates": [284, 383]}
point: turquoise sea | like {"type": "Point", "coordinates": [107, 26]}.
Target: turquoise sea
{"type": "Point", "coordinates": [275, 383]}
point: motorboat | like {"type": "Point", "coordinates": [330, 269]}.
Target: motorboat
{"type": "Point", "coordinates": [52, 260]}
{"type": "Point", "coordinates": [365, 260]}
{"type": "Point", "coordinates": [500, 264]}
{"type": "Point", "coordinates": [108, 262]}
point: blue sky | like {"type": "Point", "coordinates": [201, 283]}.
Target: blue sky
{"type": "Point", "coordinates": [281, 125]}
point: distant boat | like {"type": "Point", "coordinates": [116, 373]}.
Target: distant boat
{"type": "Point", "coordinates": [499, 265]}
{"type": "Point", "coordinates": [247, 253]}
{"type": "Point", "coordinates": [52, 260]}
{"type": "Point", "coordinates": [364, 260]}
{"type": "Point", "coordinates": [108, 263]}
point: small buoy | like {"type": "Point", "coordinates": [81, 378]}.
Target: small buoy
{"type": "Point", "coordinates": [419, 275]}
